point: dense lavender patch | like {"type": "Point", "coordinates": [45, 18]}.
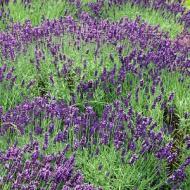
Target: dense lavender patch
{"type": "Point", "coordinates": [88, 103]}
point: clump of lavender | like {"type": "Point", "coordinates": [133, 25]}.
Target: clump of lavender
{"type": "Point", "coordinates": [96, 7]}
{"type": "Point", "coordinates": [40, 170]}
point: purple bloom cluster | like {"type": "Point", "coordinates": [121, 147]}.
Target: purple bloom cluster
{"type": "Point", "coordinates": [96, 7]}
{"type": "Point", "coordinates": [40, 170]}
{"type": "Point", "coordinates": [174, 7]}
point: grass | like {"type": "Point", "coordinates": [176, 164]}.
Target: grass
{"type": "Point", "coordinates": [187, 3]}
{"type": "Point", "coordinates": [112, 174]}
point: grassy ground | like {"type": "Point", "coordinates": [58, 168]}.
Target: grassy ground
{"type": "Point", "coordinates": [187, 4]}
